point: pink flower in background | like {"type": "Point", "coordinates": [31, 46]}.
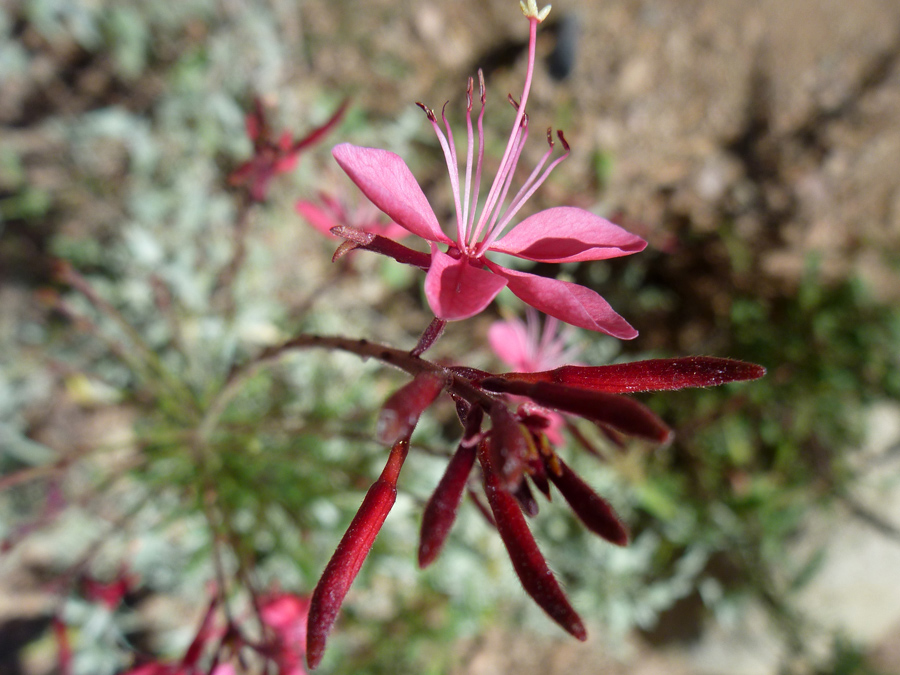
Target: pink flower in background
{"type": "Point", "coordinates": [286, 615]}
{"type": "Point", "coordinates": [525, 347]}
{"type": "Point", "coordinates": [462, 280]}
{"type": "Point", "coordinates": [328, 212]}
{"type": "Point", "coordinates": [271, 155]}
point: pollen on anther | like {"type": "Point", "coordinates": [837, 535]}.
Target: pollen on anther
{"type": "Point", "coordinates": [428, 111]}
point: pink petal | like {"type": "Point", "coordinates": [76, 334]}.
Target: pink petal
{"type": "Point", "coordinates": [457, 290]}
{"type": "Point", "coordinates": [568, 234]}
{"type": "Point", "coordinates": [510, 342]}
{"type": "Point", "coordinates": [566, 301]}
{"type": "Point", "coordinates": [385, 179]}
{"type": "Point", "coordinates": [316, 216]}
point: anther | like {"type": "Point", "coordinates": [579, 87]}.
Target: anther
{"type": "Point", "coordinates": [481, 86]}
{"type": "Point", "coordinates": [562, 139]}
{"type": "Point", "coordinates": [428, 111]}
{"type": "Point", "coordinates": [469, 89]}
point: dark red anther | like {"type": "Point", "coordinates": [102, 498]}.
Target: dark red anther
{"type": "Point", "coordinates": [528, 562]}
{"type": "Point", "coordinates": [428, 111]}
{"type": "Point", "coordinates": [650, 375]}
{"type": "Point", "coordinates": [440, 512]}
{"type": "Point", "coordinates": [350, 554]}
{"type": "Point", "coordinates": [401, 411]}
{"type": "Point", "coordinates": [619, 412]}
{"type": "Point", "coordinates": [508, 446]}
{"type": "Point", "coordinates": [562, 139]}
{"type": "Point", "coordinates": [595, 512]}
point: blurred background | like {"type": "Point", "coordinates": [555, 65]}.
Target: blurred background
{"type": "Point", "coordinates": [754, 145]}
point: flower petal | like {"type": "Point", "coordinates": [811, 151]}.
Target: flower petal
{"type": "Point", "coordinates": [509, 341]}
{"type": "Point", "coordinates": [385, 179]}
{"type": "Point", "coordinates": [568, 234]}
{"type": "Point", "coordinates": [566, 301]}
{"type": "Point", "coordinates": [457, 290]}
{"type": "Point", "coordinates": [316, 216]}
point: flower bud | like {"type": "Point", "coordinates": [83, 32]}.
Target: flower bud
{"type": "Point", "coordinates": [401, 411]}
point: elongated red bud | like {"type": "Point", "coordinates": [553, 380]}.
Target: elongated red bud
{"type": "Point", "coordinates": [528, 562]}
{"type": "Point", "coordinates": [650, 375]}
{"type": "Point", "coordinates": [508, 446]}
{"type": "Point", "coordinates": [440, 511]}
{"type": "Point", "coordinates": [595, 512]}
{"type": "Point", "coordinates": [350, 554]}
{"type": "Point", "coordinates": [401, 411]}
{"type": "Point", "coordinates": [378, 244]}
{"type": "Point", "coordinates": [619, 412]}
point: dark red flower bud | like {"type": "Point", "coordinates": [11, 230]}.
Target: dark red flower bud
{"type": "Point", "coordinates": [429, 337]}
{"type": "Point", "coordinates": [621, 413]}
{"type": "Point", "coordinates": [508, 446]}
{"type": "Point", "coordinates": [440, 512]}
{"type": "Point", "coordinates": [378, 244]}
{"type": "Point", "coordinates": [594, 511]}
{"type": "Point", "coordinates": [401, 411]}
{"type": "Point", "coordinates": [528, 562]}
{"type": "Point", "coordinates": [350, 554]}
{"type": "Point", "coordinates": [650, 375]}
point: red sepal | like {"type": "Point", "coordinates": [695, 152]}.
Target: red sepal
{"type": "Point", "coordinates": [595, 512]}
{"type": "Point", "coordinates": [350, 554]}
{"type": "Point", "coordinates": [650, 375]}
{"type": "Point", "coordinates": [528, 562]}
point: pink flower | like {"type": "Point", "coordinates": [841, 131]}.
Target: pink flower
{"type": "Point", "coordinates": [526, 348]}
{"type": "Point", "coordinates": [286, 615]}
{"type": "Point", "coordinates": [271, 155]}
{"type": "Point", "coordinates": [462, 280]}
{"type": "Point", "coordinates": [329, 212]}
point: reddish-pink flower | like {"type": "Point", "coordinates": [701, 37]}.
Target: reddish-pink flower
{"type": "Point", "coordinates": [462, 280]}
{"type": "Point", "coordinates": [273, 155]}
{"type": "Point", "coordinates": [286, 615]}
{"type": "Point", "coordinates": [526, 347]}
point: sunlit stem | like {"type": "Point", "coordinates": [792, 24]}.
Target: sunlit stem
{"type": "Point", "coordinates": [478, 166]}
{"type": "Point", "coordinates": [505, 163]}
{"type": "Point", "coordinates": [469, 154]}
{"type": "Point", "coordinates": [452, 168]}
{"type": "Point", "coordinates": [520, 201]}
{"type": "Point", "coordinates": [497, 209]}
{"type": "Point", "coordinates": [454, 176]}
